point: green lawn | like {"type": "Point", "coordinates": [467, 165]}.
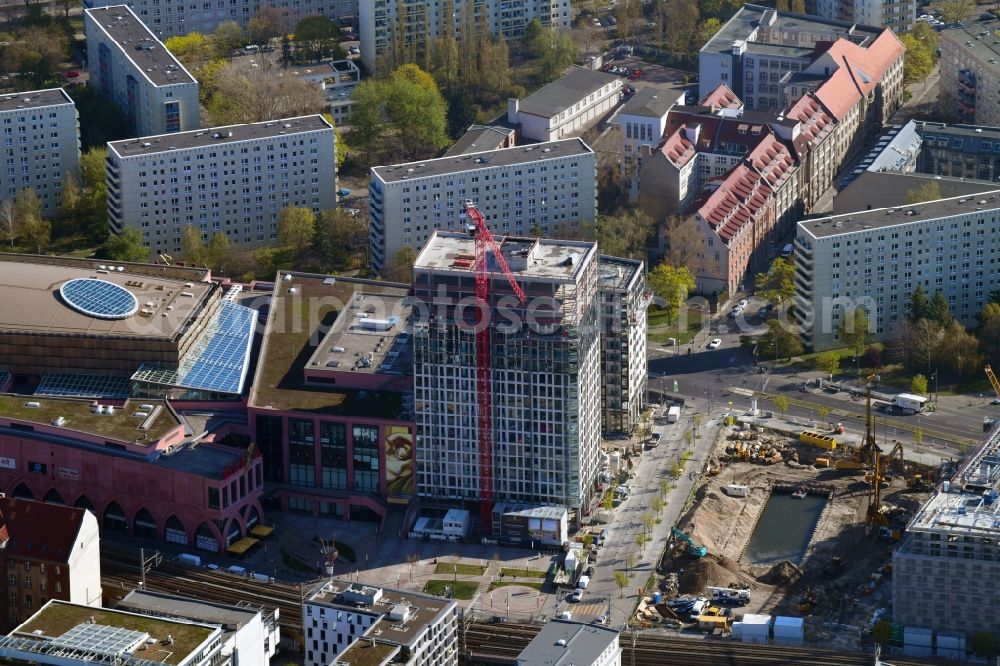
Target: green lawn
{"type": "Point", "coordinates": [462, 589]}
{"type": "Point", "coordinates": [508, 583]}
{"type": "Point", "coordinates": [660, 330]}
{"type": "Point", "coordinates": [452, 568]}
{"type": "Point", "coordinates": [524, 573]}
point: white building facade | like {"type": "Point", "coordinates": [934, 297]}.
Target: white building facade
{"type": "Point", "coordinates": [546, 375]}
{"type": "Point", "coordinates": [566, 107]}
{"type": "Point", "coordinates": [169, 19]}
{"type": "Point", "coordinates": [642, 121]}
{"type": "Point", "coordinates": [133, 68]}
{"type": "Point", "coordinates": [521, 190]}
{"type": "Point", "coordinates": [876, 258]}
{"type": "Point", "coordinates": [233, 180]}
{"type": "Point", "coordinates": [337, 613]}
{"type": "Point", "coordinates": [39, 145]}
{"type": "Point", "coordinates": [420, 22]}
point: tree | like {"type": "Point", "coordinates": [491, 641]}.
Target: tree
{"type": "Point", "coordinates": [462, 109]}
{"type": "Point", "coordinates": [36, 54]}
{"type": "Point", "coordinates": [228, 38]}
{"type": "Point", "coordinates": [983, 643]}
{"type": "Point", "coordinates": [707, 30]}
{"type": "Point", "coordinates": [70, 197]}
{"type": "Point", "coordinates": [854, 331]}
{"type": "Point", "coordinates": [682, 24]}
{"type": "Point", "coordinates": [126, 246]}
{"type": "Point", "coordinates": [413, 74]}
{"type": "Point", "coordinates": [872, 358]}
{"type": "Point", "coordinates": [624, 233]}
{"type": "Point", "coordinates": [918, 384]}
{"type": "Point", "coordinates": [553, 51]}
{"type": "Point", "coordinates": [28, 211]}
{"type": "Point", "coordinates": [640, 540]}
{"type": "Point", "coordinates": [953, 11]}
{"type": "Point", "coordinates": [918, 307]}
{"type": "Point", "coordinates": [778, 283]}
{"type": "Point", "coordinates": [368, 126]}
{"type": "Point", "coordinates": [193, 47]}
{"type": "Point", "coordinates": [317, 37]}
{"type": "Point", "coordinates": [938, 310]}
{"type": "Point", "coordinates": [672, 285]}
{"type": "Point", "coordinates": [418, 115]}
{"type": "Point", "coordinates": [242, 94]}
{"type": "Point", "coordinates": [93, 211]}
{"type": "Point", "coordinates": [959, 350]}
{"type": "Point", "coordinates": [685, 244]}
{"type": "Point", "coordinates": [340, 239]}
{"type": "Point", "coordinates": [780, 341]}
{"type": "Point", "coordinates": [882, 632]}
{"type": "Point", "coordinates": [219, 252]}
{"type": "Point", "coordinates": [929, 191]}
{"type": "Point", "coordinates": [193, 246]}
{"type": "Point", "coordinates": [828, 363]}
{"type": "Point", "coordinates": [101, 120]}
{"type": "Point", "coordinates": [988, 331]}
{"type": "Point", "coordinates": [401, 267]}
{"type": "Point", "coordinates": [781, 402]}
{"type": "Point", "coordinates": [267, 24]}
{"type": "Point", "coordinates": [8, 219]}
{"type": "Point", "coordinates": [296, 228]}
{"type": "Point", "coordinates": [648, 521]}
{"type": "Point", "coordinates": [621, 580]}
{"type": "Point", "coordinates": [926, 340]}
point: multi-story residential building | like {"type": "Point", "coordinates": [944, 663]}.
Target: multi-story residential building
{"type": "Point", "coordinates": [170, 19]}
{"type": "Point", "coordinates": [251, 634]}
{"type": "Point", "coordinates": [623, 302]}
{"type": "Point", "coordinates": [897, 15]}
{"type": "Point", "coordinates": [736, 173]}
{"type": "Point", "coordinates": [331, 407]}
{"type": "Point", "coordinates": [642, 120]}
{"type": "Point", "coordinates": [382, 26]}
{"type": "Point", "coordinates": [47, 551]}
{"type": "Point", "coordinates": [970, 73]}
{"type": "Point", "coordinates": [566, 642]}
{"type": "Point", "coordinates": [554, 184]}
{"type": "Point", "coordinates": [233, 180]}
{"type": "Point", "coordinates": [947, 558]}
{"type": "Point", "coordinates": [546, 374]}
{"type": "Point", "coordinates": [346, 622]}
{"type": "Point", "coordinates": [337, 79]}
{"type": "Point", "coordinates": [41, 144]}
{"type": "Point", "coordinates": [759, 46]}
{"type": "Point", "coordinates": [64, 634]}
{"type": "Point", "coordinates": [136, 71]}
{"type": "Point", "coordinates": [959, 151]}
{"type": "Point", "coordinates": [876, 258]}
{"type": "Point", "coordinates": [568, 106]}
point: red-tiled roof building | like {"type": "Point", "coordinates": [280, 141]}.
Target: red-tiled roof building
{"type": "Point", "coordinates": [47, 551]}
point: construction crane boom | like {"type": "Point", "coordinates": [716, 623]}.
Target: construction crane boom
{"type": "Point", "coordinates": [872, 454]}
{"type": "Point", "coordinates": [993, 379]}
{"type": "Point", "coordinates": [484, 380]}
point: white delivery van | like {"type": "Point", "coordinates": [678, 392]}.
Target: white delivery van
{"type": "Point", "coordinates": [674, 414]}
{"type": "Point", "coordinates": [583, 583]}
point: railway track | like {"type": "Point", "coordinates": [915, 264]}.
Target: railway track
{"type": "Point", "coordinates": [120, 574]}
{"type": "Point", "coordinates": [492, 644]}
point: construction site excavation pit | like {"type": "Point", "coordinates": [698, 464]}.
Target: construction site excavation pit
{"type": "Point", "coordinates": [785, 529]}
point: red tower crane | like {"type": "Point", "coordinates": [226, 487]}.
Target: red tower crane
{"type": "Point", "coordinates": [484, 384]}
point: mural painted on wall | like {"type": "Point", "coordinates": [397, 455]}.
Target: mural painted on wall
{"type": "Point", "coordinates": [399, 479]}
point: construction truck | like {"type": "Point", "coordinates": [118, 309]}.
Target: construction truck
{"type": "Point", "coordinates": [693, 549]}
{"type": "Point", "coordinates": [917, 482]}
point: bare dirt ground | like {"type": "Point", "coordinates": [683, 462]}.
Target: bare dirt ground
{"type": "Point", "coordinates": [724, 525]}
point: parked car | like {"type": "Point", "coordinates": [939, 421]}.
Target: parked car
{"type": "Point", "coordinates": [636, 73]}
{"type": "Point", "coordinates": [575, 597]}
{"type": "Point", "coordinates": [343, 192]}
{"type": "Point", "coordinates": [715, 344]}
{"type": "Point", "coordinates": [355, 50]}
{"type": "Point", "coordinates": [612, 20]}
{"type": "Point", "coordinates": [71, 74]}
{"type": "Point", "coordinates": [589, 572]}
{"type": "Point", "coordinates": [744, 302]}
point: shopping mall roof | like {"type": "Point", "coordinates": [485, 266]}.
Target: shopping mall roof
{"type": "Point", "coordinates": [304, 307]}
{"type": "Point", "coordinates": [369, 336]}
{"type": "Point", "coordinates": [138, 422]}
{"type": "Point", "coordinates": [62, 296]}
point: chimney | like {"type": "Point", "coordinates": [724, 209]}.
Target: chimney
{"type": "Point", "coordinates": [513, 106]}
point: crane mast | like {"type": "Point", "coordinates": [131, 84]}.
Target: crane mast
{"type": "Point", "coordinates": [485, 243]}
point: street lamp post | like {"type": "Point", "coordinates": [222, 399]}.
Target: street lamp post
{"type": "Point", "coordinates": [934, 377]}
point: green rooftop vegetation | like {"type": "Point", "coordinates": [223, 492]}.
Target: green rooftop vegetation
{"type": "Point", "coordinates": [57, 618]}
{"type": "Point", "coordinates": [121, 425]}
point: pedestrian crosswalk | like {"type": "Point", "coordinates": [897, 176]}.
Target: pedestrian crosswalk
{"type": "Point", "coordinates": [588, 609]}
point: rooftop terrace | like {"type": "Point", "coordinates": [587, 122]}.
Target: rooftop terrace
{"type": "Point", "coordinates": [369, 336]}
{"type": "Point", "coordinates": [543, 258]}
{"type": "Point", "coordinates": [57, 618]}
{"type": "Point", "coordinates": [139, 45]}
{"type": "Point", "coordinates": [303, 309]}
{"type": "Point", "coordinates": [365, 652]}
{"type": "Point", "coordinates": [79, 416]}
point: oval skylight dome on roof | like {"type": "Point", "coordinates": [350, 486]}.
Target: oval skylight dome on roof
{"type": "Point", "coordinates": [99, 299]}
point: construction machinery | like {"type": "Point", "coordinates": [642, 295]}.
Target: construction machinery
{"type": "Point", "coordinates": [484, 386]}
{"type": "Point", "coordinates": [870, 454]}
{"type": "Point", "coordinates": [693, 549]}
{"type": "Point", "coordinates": [993, 380]}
